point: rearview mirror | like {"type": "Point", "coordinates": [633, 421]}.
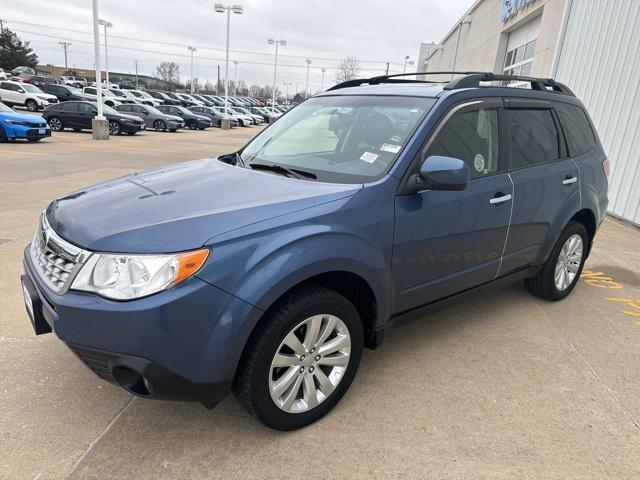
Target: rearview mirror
{"type": "Point", "coordinates": [443, 173]}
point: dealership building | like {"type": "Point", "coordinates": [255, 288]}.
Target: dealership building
{"type": "Point", "coordinates": [593, 46]}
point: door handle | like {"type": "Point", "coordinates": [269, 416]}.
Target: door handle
{"type": "Point", "coordinates": [498, 200]}
{"type": "Point", "coordinates": [569, 180]}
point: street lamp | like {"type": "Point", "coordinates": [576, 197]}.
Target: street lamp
{"type": "Point", "coordinates": [322, 84]}
{"type": "Point", "coordinates": [65, 46]}
{"type": "Point", "coordinates": [192, 49]}
{"type": "Point", "coordinates": [237, 9]}
{"type": "Point", "coordinates": [106, 25]}
{"type": "Point", "coordinates": [235, 77]}
{"type": "Point", "coordinates": [99, 124]}
{"type": "Point", "coordinates": [306, 87]}
{"type": "Point", "coordinates": [407, 62]}
{"type": "Point", "coordinates": [271, 41]}
{"type": "Point", "coordinates": [286, 95]}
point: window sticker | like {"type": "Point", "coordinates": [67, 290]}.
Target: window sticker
{"type": "Point", "coordinates": [368, 157]}
{"type": "Point", "coordinates": [478, 163]}
{"type": "Point", "coordinates": [390, 147]}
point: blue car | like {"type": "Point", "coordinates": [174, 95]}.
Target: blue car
{"type": "Point", "coordinates": [267, 270]}
{"type": "Point", "coordinates": [14, 125]}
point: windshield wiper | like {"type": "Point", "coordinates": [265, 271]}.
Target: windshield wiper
{"type": "Point", "coordinates": [289, 172]}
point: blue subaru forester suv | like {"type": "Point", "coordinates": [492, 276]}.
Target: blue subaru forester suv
{"type": "Point", "coordinates": [266, 271]}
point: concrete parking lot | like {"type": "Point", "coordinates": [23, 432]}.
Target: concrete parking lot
{"type": "Point", "coordinates": [503, 385]}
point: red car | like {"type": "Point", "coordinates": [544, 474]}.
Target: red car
{"type": "Point", "coordinates": [23, 77]}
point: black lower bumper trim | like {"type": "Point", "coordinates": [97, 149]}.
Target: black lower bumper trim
{"type": "Point", "coordinates": [163, 384]}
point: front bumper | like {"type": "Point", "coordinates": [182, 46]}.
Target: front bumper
{"type": "Point", "coordinates": [185, 342]}
{"type": "Point", "coordinates": [20, 131]}
{"type": "Point", "coordinates": [132, 127]}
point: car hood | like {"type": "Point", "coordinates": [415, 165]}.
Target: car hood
{"type": "Point", "coordinates": [174, 118]}
{"type": "Point", "coordinates": [181, 206]}
{"type": "Point", "coordinates": [24, 117]}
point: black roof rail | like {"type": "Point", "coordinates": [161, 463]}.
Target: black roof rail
{"type": "Point", "coordinates": [465, 80]}
{"type": "Point", "coordinates": [541, 84]}
{"type": "Point", "coordinates": [393, 79]}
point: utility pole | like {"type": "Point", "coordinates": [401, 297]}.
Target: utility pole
{"type": "Point", "coordinates": [235, 77]}
{"type": "Point", "coordinates": [136, 64]}
{"type": "Point", "coordinates": [191, 49]}
{"type": "Point", "coordinates": [65, 45]}
{"type": "Point", "coordinates": [218, 84]}
{"type": "Point", "coordinates": [387, 71]}
{"type": "Point", "coordinates": [306, 87]}
{"type": "Point", "coordinates": [322, 84]}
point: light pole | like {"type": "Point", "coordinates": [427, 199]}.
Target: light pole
{"type": "Point", "coordinates": [99, 124]}
{"type": "Point", "coordinates": [238, 9]}
{"type": "Point", "coordinates": [192, 49]}
{"type": "Point", "coordinates": [136, 64]}
{"type": "Point", "coordinates": [235, 77]}
{"type": "Point", "coordinates": [306, 87]}
{"type": "Point", "coordinates": [106, 25]}
{"type": "Point", "coordinates": [407, 62]}
{"type": "Point", "coordinates": [271, 41]}
{"type": "Point", "coordinates": [65, 45]}
{"type": "Point", "coordinates": [322, 84]}
{"type": "Point", "coordinates": [286, 95]}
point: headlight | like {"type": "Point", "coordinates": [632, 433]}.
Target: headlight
{"type": "Point", "coordinates": [42, 97]}
{"type": "Point", "coordinates": [126, 277]}
{"type": "Point", "coordinates": [17, 122]}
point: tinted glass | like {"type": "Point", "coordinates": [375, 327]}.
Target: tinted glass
{"type": "Point", "coordinates": [86, 107]}
{"type": "Point", "coordinates": [69, 106]}
{"type": "Point", "coordinates": [576, 127]}
{"type": "Point", "coordinates": [533, 137]}
{"type": "Point", "coordinates": [472, 137]}
{"type": "Point", "coordinates": [92, 91]}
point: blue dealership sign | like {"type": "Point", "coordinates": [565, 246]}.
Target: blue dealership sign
{"type": "Point", "coordinates": [511, 7]}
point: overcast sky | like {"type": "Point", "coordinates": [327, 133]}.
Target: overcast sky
{"type": "Point", "coordinates": [152, 31]}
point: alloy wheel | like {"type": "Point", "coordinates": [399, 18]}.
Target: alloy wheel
{"type": "Point", "coordinates": [159, 126]}
{"type": "Point", "coordinates": [32, 106]}
{"type": "Point", "coordinates": [568, 263]}
{"type": "Point", "coordinates": [114, 128]}
{"type": "Point", "coordinates": [55, 124]}
{"type": "Point", "coordinates": [309, 363]}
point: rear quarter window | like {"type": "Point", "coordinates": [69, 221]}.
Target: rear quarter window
{"type": "Point", "coordinates": [576, 128]}
{"type": "Point", "coordinates": [533, 137]}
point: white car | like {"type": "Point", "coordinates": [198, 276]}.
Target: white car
{"type": "Point", "coordinates": [108, 98]}
{"type": "Point", "coordinates": [78, 82]}
{"type": "Point", "coordinates": [25, 94]}
{"type": "Point", "coordinates": [3, 75]}
{"type": "Point", "coordinates": [146, 99]}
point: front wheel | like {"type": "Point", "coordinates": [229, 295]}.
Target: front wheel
{"type": "Point", "coordinates": [56, 124]}
{"type": "Point", "coordinates": [301, 359]}
{"type": "Point", "coordinates": [114, 128]}
{"type": "Point", "coordinates": [561, 272]}
{"type": "Point", "coordinates": [31, 105]}
{"type": "Point", "coordinates": [159, 126]}
{"type": "Point", "coordinates": [191, 125]}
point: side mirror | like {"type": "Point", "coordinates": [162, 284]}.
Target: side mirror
{"type": "Point", "coordinates": [443, 173]}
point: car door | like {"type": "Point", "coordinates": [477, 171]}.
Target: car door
{"type": "Point", "coordinates": [546, 185]}
{"type": "Point", "coordinates": [450, 241]}
{"type": "Point", "coordinates": [11, 93]}
{"type": "Point", "coordinates": [140, 111]}
{"type": "Point", "coordinates": [86, 113]}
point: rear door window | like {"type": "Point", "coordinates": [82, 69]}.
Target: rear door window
{"type": "Point", "coordinates": [533, 137]}
{"type": "Point", "coordinates": [576, 127]}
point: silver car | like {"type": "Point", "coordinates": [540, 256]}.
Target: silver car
{"type": "Point", "coordinates": [153, 118]}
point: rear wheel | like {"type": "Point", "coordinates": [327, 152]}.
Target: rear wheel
{"type": "Point", "coordinates": [114, 128]}
{"type": "Point", "coordinates": [31, 105]}
{"type": "Point", "coordinates": [56, 124]}
{"type": "Point", "coordinates": [301, 359]}
{"type": "Point", "coordinates": [562, 269]}
{"type": "Point", "coordinates": [159, 126]}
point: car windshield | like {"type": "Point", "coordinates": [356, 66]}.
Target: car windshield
{"type": "Point", "coordinates": [118, 93]}
{"type": "Point", "coordinates": [342, 138]}
{"type": "Point", "coordinates": [136, 93]}
{"type": "Point", "coordinates": [5, 109]}
{"type": "Point", "coordinates": [72, 89]}
{"type": "Point", "coordinates": [30, 88]}
{"type": "Point", "coordinates": [110, 111]}
{"type": "Point", "coordinates": [144, 94]}
{"type": "Point", "coordinates": [153, 110]}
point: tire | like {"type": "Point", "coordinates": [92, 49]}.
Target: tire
{"type": "Point", "coordinates": [554, 282]}
{"type": "Point", "coordinates": [77, 129]}
{"type": "Point", "coordinates": [109, 104]}
{"type": "Point", "coordinates": [159, 126]}
{"type": "Point", "coordinates": [131, 133]}
{"type": "Point", "coordinates": [3, 135]}
{"type": "Point", "coordinates": [256, 380]}
{"type": "Point", "coordinates": [31, 105]}
{"type": "Point", "coordinates": [200, 128]}
{"type": "Point", "coordinates": [191, 125]}
{"type": "Point", "coordinates": [56, 124]}
{"type": "Point", "coordinates": [114, 128]}
{"type": "Point", "coordinates": [173, 129]}
{"type": "Point", "coordinates": [34, 140]}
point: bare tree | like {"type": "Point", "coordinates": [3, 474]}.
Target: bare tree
{"type": "Point", "coordinates": [348, 69]}
{"type": "Point", "coordinates": [168, 71]}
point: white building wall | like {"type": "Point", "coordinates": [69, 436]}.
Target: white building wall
{"type": "Point", "coordinates": [600, 61]}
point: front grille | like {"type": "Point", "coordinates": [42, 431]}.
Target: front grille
{"type": "Point", "coordinates": [97, 362]}
{"type": "Point", "coordinates": [56, 260]}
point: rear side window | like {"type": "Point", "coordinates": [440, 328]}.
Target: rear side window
{"type": "Point", "coordinates": [576, 127]}
{"type": "Point", "coordinates": [69, 106]}
{"type": "Point", "coordinates": [471, 136]}
{"type": "Point", "coordinates": [533, 137]}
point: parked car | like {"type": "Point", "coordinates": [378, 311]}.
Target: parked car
{"type": "Point", "coordinates": [153, 118]}
{"type": "Point", "coordinates": [205, 101]}
{"type": "Point", "coordinates": [192, 120]}
{"type": "Point", "coordinates": [145, 98]}
{"type": "Point", "coordinates": [108, 97]}
{"type": "Point", "coordinates": [215, 116]}
{"type": "Point", "coordinates": [65, 93]}
{"type": "Point", "coordinates": [3, 74]}
{"type": "Point", "coordinates": [268, 270]}
{"type": "Point", "coordinates": [14, 125]}
{"type": "Point", "coordinates": [215, 100]}
{"type": "Point", "coordinates": [78, 82]}
{"type": "Point", "coordinates": [164, 97]}
{"type": "Point", "coordinates": [260, 111]}
{"type": "Point", "coordinates": [78, 116]}
{"type": "Point", "coordinates": [20, 70]}
{"type": "Point", "coordinates": [184, 102]}
{"type": "Point", "coordinates": [25, 94]}
{"type": "Point", "coordinates": [257, 119]}
{"type": "Point", "coordinates": [23, 78]}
